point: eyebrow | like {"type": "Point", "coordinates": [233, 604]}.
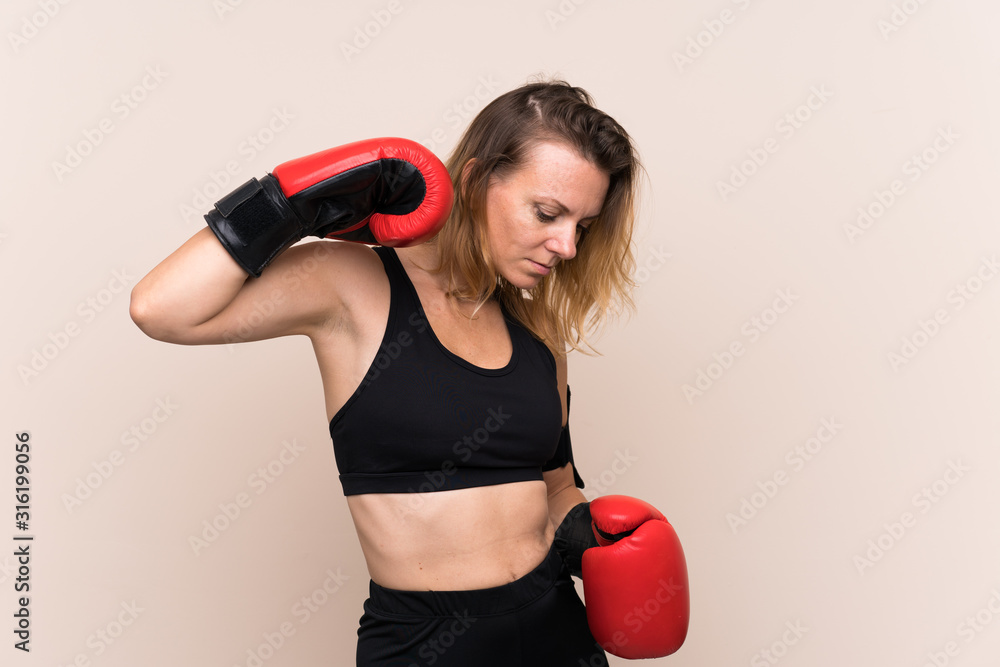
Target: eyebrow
{"type": "Point", "coordinates": [565, 209]}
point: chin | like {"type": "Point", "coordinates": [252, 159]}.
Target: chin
{"type": "Point", "coordinates": [522, 280]}
{"type": "Point", "coordinates": [527, 282]}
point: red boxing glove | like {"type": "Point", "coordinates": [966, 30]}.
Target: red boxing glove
{"type": "Point", "coordinates": [387, 191]}
{"type": "Point", "coordinates": [400, 191]}
{"type": "Point", "coordinates": [635, 583]}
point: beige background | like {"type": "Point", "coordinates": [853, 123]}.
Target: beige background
{"type": "Point", "coordinates": [710, 264]}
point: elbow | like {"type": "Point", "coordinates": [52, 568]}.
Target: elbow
{"type": "Point", "coordinates": [143, 311]}
{"type": "Point", "coordinates": [140, 311]}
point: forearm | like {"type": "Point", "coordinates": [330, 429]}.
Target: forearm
{"type": "Point", "coordinates": [569, 511]}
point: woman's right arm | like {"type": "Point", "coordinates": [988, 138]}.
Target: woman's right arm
{"type": "Point", "coordinates": [199, 295]}
{"type": "Point", "coordinates": [390, 191]}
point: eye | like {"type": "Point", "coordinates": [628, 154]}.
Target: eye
{"type": "Point", "coordinates": [542, 217]}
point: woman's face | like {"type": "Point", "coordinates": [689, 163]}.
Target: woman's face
{"type": "Point", "coordinates": [535, 216]}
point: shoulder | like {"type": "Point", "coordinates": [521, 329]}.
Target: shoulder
{"type": "Point", "coordinates": [343, 255]}
{"type": "Point", "coordinates": [341, 267]}
{"type": "Point", "coordinates": [324, 258]}
{"type": "Point", "coordinates": [555, 344]}
{"type": "Point", "coordinates": [349, 276]}
{"type": "Point", "coordinates": [562, 381]}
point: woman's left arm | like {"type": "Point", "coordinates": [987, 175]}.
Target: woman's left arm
{"type": "Point", "coordinates": [563, 494]}
{"type": "Point", "coordinates": [639, 559]}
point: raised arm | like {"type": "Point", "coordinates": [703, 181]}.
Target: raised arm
{"type": "Point", "coordinates": [379, 191]}
{"type": "Point", "coordinates": [200, 296]}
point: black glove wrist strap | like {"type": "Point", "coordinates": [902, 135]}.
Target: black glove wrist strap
{"type": "Point", "coordinates": [255, 223]}
{"type": "Point", "coordinates": [574, 536]}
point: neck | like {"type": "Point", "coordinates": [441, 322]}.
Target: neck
{"type": "Point", "coordinates": [423, 259]}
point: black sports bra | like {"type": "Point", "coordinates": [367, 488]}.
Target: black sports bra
{"type": "Point", "coordinates": [424, 419]}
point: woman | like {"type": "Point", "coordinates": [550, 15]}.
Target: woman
{"type": "Point", "coordinates": [443, 365]}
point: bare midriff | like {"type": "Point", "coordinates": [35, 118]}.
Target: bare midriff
{"type": "Point", "coordinates": [463, 539]}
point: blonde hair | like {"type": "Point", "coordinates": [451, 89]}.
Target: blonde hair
{"type": "Point", "coordinates": [580, 294]}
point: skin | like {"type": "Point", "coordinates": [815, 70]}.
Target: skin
{"type": "Point", "coordinates": [555, 183]}
{"type": "Point", "coordinates": [447, 540]}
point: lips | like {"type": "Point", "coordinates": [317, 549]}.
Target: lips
{"type": "Point", "coordinates": [540, 268]}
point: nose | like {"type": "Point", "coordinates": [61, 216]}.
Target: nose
{"type": "Point", "coordinates": [562, 240]}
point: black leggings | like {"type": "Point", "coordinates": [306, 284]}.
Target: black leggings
{"type": "Point", "coordinates": [537, 620]}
